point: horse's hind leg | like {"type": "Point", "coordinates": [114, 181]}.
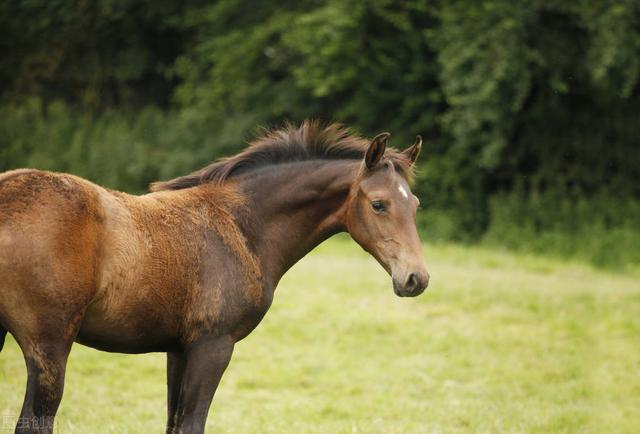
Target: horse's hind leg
{"type": "Point", "coordinates": [46, 364]}
{"type": "Point", "coordinates": [45, 341]}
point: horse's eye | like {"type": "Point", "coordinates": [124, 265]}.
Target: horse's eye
{"type": "Point", "coordinates": [378, 206]}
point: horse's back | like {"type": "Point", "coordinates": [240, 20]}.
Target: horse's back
{"type": "Point", "coordinates": [50, 230]}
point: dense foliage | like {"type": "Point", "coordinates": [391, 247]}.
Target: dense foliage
{"type": "Point", "coordinates": [528, 108]}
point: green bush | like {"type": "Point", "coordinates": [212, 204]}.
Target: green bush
{"type": "Point", "coordinates": [128, 150]}
{"type": "Point", "coordinates": [124, 150]}
{"type": "Point", "coordinates": [604, 230]}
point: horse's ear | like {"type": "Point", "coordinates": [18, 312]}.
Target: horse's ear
{"type": "Point", "coordinates": [413, 151]}
{"type": "Point", "coordinates": [376, 150]}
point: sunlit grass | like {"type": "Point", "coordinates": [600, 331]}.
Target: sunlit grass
{"type": "Point", "coordinates": [499, 343]}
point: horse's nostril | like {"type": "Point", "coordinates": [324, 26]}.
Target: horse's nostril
{"type": "Point", "coordinates": [412, 281]}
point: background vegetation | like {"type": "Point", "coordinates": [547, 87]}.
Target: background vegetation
{"type": "Point", "coordinates": [530, 110]}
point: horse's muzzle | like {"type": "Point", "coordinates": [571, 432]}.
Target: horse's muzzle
{"type": "Point", "coordinates": [414, 284]}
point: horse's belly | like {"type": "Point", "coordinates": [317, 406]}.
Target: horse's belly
{"type": "Point", "coordinates": [128, 332]}
{"type": "Point", "coordinates": [127, 344]}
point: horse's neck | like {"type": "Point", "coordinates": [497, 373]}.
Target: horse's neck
{"type": "Point", "coordinates": [295, 207]}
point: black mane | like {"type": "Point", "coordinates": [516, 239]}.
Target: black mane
{"type": "Point", "coordinates": [309, 141]}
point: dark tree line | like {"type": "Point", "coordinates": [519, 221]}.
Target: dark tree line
{"type": "Point", "coordinates": [525, 106]}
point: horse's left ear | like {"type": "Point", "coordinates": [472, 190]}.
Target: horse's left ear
{"type": "Point", "coordinates": [412, 152]}
{"type": "Point", "coordinates": [376, 150]}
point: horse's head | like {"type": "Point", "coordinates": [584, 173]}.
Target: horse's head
{"type": "Point", "coordinates": [381, 216]}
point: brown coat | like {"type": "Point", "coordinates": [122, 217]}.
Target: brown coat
{"type": "Point", "coordinates": [190, 268]}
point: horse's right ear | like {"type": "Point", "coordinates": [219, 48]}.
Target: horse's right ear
{"type": "Point", "coordinates": [376, 150]}
{"type": "Point", "coordinates": [413, 151]}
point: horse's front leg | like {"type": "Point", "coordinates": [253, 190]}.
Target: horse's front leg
{"type": "Point", "coordinates": [176, 363]}
{"type": "Point", "coordinates": [204, 364]}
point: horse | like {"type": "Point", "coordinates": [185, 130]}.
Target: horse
{"type": "Point", "coordinates": [191, 267]}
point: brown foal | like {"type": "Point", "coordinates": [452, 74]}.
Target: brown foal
{"type": "Point", "coordinates": [190, 268]}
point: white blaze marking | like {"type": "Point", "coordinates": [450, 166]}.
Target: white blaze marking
{"type": "Point", "coordinates": [403, 191]}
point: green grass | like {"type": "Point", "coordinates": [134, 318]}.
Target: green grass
{"type": "Point", "coordinates": [500, 342]}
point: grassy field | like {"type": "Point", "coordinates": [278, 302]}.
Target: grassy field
{"type": "Point", "coordinates": [498, 343]}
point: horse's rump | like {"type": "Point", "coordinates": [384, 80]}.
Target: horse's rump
{"type": "Point", "coordinates": [50, 229]}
